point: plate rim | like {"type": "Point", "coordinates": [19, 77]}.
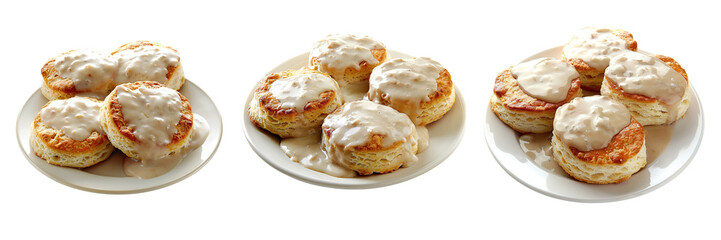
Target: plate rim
{"type": "Point", "coordinates": [460, 102]}
{"type": "Point", "coordinates": [126, 191]}
{"type": "Point", "coordinates": [493, 149]}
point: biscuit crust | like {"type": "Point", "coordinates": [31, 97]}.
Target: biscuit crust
{"type": "Point", "coordinates": [266, 111]}
{"type": "Point", "coordinates": [175, 76]}
{"type": "Point", "coordinates": [56, 87]}
{"type": "Point", "coordinates": [648, 110]}
{"type": "Point", "coordinates": [351, 75]}
{"type": "Point", "coordinates": [624, 156]}
{"type": "Point", "coordinates": [370, 158]}
{"type": "Point", "coordinates": [121, 134]}
{"type": "Point", "coordinates": [507, 89]}
{"type": "Point", "coordinates": [624, 145]}
{"type": "Point", "coordinates": [591, 78]}
{"type": "Point", "coordinates": [56, 148]}
{"type": "Point", "coordinates": [441, 100]}
{"type": "Point", "coordinates": [522, 112]}
{"type": "Point", "coordinates": [637, 97]}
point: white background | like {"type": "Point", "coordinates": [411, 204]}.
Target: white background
{"type": "Point", "coordinates": [226, 48]}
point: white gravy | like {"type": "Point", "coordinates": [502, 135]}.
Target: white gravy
{"type": "Point", "coordinates": [638, 73]}
{"type": "Point", "coordinates": [406, 83]}
{"type": "Point", "coordinates": [547, 79]}
{"type": "Point", "coordinates": [76, 117]}
{"type": "Point", "coordinates": [307, 151]}
{"type": "Point", "coordinates": [338, 52]}
{"type": "Point", "coordinates": [590, 123]}
{"type": "Point", "coordinates": [154, 167]}
{"type": "Point", "coordinates": [90, 71]}
{"type": "Point", "coordinates": [594, 46]}
{"type": "Point", "coordinates": [152, 112]}
{"type": "Point", "coordinates": [297, 90]}
{"type": "Point", "coordinates": [537, 147]}
{"type": "Point", "coordinates": [355, 91]}
{"type": "Point", "coordinates": [145, 63]}
{"type": "Point", "coordinates": [355, 123]}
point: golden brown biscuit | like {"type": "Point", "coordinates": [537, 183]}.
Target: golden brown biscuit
{"type": "Point", "coordinates": [121, 130]}
{"type": "Point", "coordinates": [522, 112]}
{"type": "Point", "coordinates": [621, 158]}
{"type": "Point", "coordinates": [368, 138]}
{"type": "Point", "coordinates": [407, 94]}
{"type": "Point", "coordinates": [149, 61]}
{"type": "Point", "coordinates": [78, 72]}
{"type": "Point", "coordinates": [283, 118]}
{"type": "Point", "coordinates": [648, 110]}
{"type": "Point", "coordinates": [347, 58]}
{"type": "Point", "coordinates": [61, 149]}
{"type": "Point", "coordinates": [591, 77]}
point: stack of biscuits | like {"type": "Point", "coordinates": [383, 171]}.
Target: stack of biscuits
{"type": "Point", "coordinates": [596, 139]}
{"type": "Point", "coordinates": [85, 121]}
{"type": "Point", "coordinates": [348, 63]}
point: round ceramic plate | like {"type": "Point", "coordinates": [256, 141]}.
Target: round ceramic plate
{"type": "Point", "coordinates": [445, 135]}
{"type": "Point", "coordinates": [503, 143]}
{"type": "Point", "coordinates": [107, 176]}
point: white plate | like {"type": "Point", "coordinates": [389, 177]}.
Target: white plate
{"type": "Point", "coordinates": [445, 135]}
{"type": "Point", "coordinates": [115, 182]}
{"type": "Point", "coordinates": [503, 143]}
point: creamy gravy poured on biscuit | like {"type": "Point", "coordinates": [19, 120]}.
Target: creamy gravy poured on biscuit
{"type": "Point", "coordinates": [89, 70]}
{"type": "Point", "coordinates": [589, 123]}
{"type": "Point", "coordinates": [76, 117]}
{"type": "Point", "coordinates": [357, 122]}
{"type": "Point", "coordinates": [152, 113]}
{"type": "Point", "coordinates": [309, 152]}
{"type": "Point", "coordinates": [145, 63]}
{"type": "Point", "coordinates": [406, 83]}
{"type": "Point", "coordinates": [537, 146]}
{"type": "Point", "coordinates": [153, 167]}
{"type": "Point", "coordinates": [297, 90]}
{"type": "Point", "coordinates": [338, 52]}
{"type": "Point", "coordinates": [547, 79]}
{"type": "Point", "coordinates": [638, 73]}
{"type": "Point", "coordinates": [594, 46]}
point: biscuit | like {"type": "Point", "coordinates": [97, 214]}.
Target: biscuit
{"type": "Point", "coordinates": [597, 140]}
{"type": "Point", "coordinates": [78, 72]}
{"type": "Point", "coordinates": [147, 120]}
{"type": "Point", "coordinates": [294, 103]}
{"type": "Point", "coordinates": [67, 133]}
{"type": "Point", "coordinates": [656, 97]}
{"type": "Point", "coordinates": [525, 113]}
{"type": "Point", "coordinates": [590, 51]}
{"type": "Point", "coordinates": [624, 156]}
{"type": "Point", "coordinates": [148, 61]}
{"type": "Point", "coordinates": [347, 58]}
{"type": "Point", "coordinates": [368, 138]}
{"type": "Point", "coordinates": [419, 87]}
